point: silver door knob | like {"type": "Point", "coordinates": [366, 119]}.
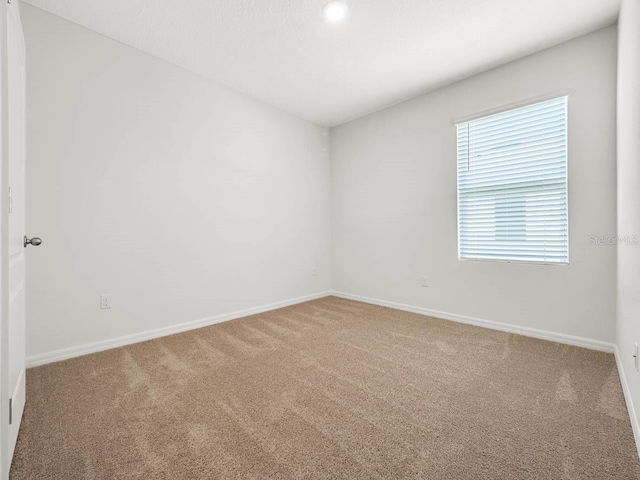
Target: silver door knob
{"type": "Point", "coordinates": [35, 241]}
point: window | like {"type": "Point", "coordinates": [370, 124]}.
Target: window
{"type": "Point", "coordinates": [512, 185]}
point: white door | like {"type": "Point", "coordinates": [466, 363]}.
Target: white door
{"type": "Point", "coordinates": [16, 176]}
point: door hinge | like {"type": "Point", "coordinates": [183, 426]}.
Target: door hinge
{"type": "Point", "coordinates": [10, 411]}
{"type": "Point", "coordinates": [10, 200]}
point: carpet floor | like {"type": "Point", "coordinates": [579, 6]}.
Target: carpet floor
{"type": "Point", "coordinates": [329, 389]}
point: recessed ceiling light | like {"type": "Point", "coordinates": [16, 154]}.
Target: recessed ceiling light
{"type": "Point", "coordinates": [335, 11]}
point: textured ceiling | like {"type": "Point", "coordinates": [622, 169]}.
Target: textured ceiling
{"type": "Point", "coordinates": [284, 53]}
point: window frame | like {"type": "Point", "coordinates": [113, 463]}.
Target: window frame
{"type": "Point", "coordinates": [497, 111]}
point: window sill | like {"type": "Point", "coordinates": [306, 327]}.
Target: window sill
{"type": "Point", "coordinates": [526, 262]}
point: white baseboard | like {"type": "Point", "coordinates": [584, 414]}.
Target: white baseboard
{"type": "Point", "coordinates": [627, 397]}
{"type": "Point", "coordinates": [505, 327]}
{"type": "Point", "coordinates": [66, 353]}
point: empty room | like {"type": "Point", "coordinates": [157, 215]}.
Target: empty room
{"type": "Point", "coordinates": [320, 239]}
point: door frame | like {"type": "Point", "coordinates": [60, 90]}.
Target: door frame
{"type": "Point", "coordinates": [5, 461]}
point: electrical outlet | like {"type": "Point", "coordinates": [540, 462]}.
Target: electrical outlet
{"type": "Point", "coordinates": [313, 272]}
{"type": "Point", "coordinates": [423, 281]}
{"type": "Point", "coordinates": [106, 301]}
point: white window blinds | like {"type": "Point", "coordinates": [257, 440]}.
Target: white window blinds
{"type": "Point", "coordinates": [512, 185]}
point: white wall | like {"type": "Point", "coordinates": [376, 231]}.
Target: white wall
{"type": "Point", "coordinates": [628, 327]}
{"type": "Point", "coordinates": [182, 199]}
{"type": "Point", "coordinates": [394, 199]}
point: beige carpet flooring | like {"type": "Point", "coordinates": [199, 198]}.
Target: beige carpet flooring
{"type": "Point", "coordinates": [329, 389]}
